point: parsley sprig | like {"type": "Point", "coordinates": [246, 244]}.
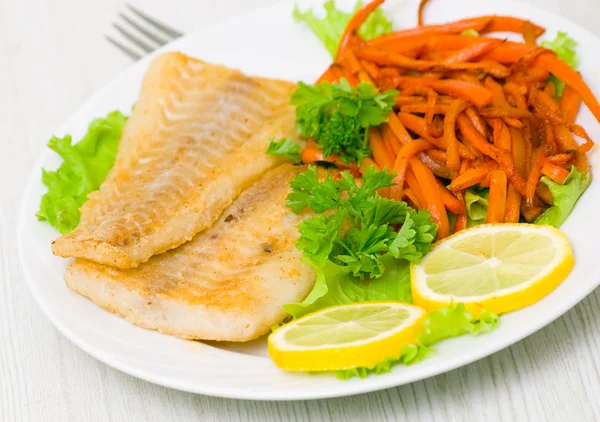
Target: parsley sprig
{"type": "Point", "coordinates": [355, 226]}
{"type": "Point", "coordinates": [337, 116]}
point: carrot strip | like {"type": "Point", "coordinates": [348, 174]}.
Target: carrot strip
{"type": "Point", "coordinates": [497, 197]}
{"type": "Point", "coordinates": [513, 205]}
{"type": "Point", "coordinates": [534, 177]}
{"type": "Point", "coordinates": [354, 65]}
{"type": "Point", "coordinates": [354, 24]}
{"type": "Point", "coordinates": [477, 121]}
{"type": "Point", "coordinates": [457, 107]}
{"type": "Point", "coordinates": [502, 136]}
{"type": "Point", "coordinates": [500, 103]}
{"type": "Point", "coordinates": [560, 159]}
{"type": "Point", "coordinates": [569, 104]}
{"type": "Point", "coordinates": [474, 50]}
{"type": "Point", "coordinates": [549, 138]}
{"type": "Point", "coordinates": [398, 129]}
{"type": "Point", "coordinates": [502, 157]}
{"type": "Point", "coordinates": [438, 154]}
{"type": "Point", "coordinates": [581, 161]}
{"type": "Point", "coordinates": [472, 176]}
{"type": "Point", "coordinates": [476, 94]}
{"type": "Point", "coordinates": [432, 196]}
{"type": "Point", "coordinates": [371, 68]}
{"type": "Point", "coordinates": [378, 149]}
{"type": "Point", "coordinates": [510, 24]}
{"type": "Point", "coordinates": [509, 52]}
{"type": "Point", "coordinates": [351, 76]}
{"type": "Point", "coordinates": [437, 167]}
{"type": "Point", "coordinates": [412, 198]}
{"type": "Point", "coordinates": [547, 109]}
{"type": "Point", "coordinates": [390, 140]}
{"type": "Point", "coordinates": [509, 112]}
{"type": "Point", "coordinates": [422, 4]}
{"type": "Point", "coordinates": [451, 202]}
{"type": "Point", "coordinates": [543, 192]}
{"type": "Point", "coordinates": [312, 154]}
{"type": "Point", "coordinates": [404, 156]}
{"type": "Point", "coordinates": [425, 32]}
{"type": "Point", "coordinates": [572, 78]}
{"type": "Point", "coordinates": [423, 108]}
{"type": "Point", "coordinates": [330, 75]}
{"type": "Point", "coordinates": [368, 162]}
{"type": "Point", "coordinates": [550, 88]}
{"type": "Point", "coordinates": [417, 125]}
{"type": "Point", "coordinates": [519, 150]}
{"type": "Point", "coordinates": [388, 58]}
{"type": "Point", "coordinates": [461, 218]}
{"type": "Point", "coordinates": [554, 172]}
{"type": "Point", "coordinates": [528, 32]}
{"type": "Point", "coordinates": [430, 113]}
{"type": "Point", "coordinates": [563, 139]}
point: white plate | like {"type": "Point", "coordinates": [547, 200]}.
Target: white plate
{"type": "Point", "coordinates": [267, 42]}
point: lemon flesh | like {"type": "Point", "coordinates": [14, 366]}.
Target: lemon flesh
{"type": "Point", "coordinates": [346, 336]}
{"type": "Point", "coordinates": [499, 267]}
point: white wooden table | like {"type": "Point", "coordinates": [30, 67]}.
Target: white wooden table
{"type": "Point", "coordinates": [52, 58]}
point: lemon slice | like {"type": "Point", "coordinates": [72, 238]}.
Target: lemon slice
{"type": "Point", "coordinates": [345, 336]}
{"type": "Point", "coordinates": [499, 267]}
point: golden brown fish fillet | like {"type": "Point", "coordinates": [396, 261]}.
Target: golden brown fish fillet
{"type": "Point", "coordinates": [196, 139]}
{"type": "Point", "coordinates": [229, 283]}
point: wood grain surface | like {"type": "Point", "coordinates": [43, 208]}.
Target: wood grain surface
{"type": "Point", "coordinates": [53, 57]}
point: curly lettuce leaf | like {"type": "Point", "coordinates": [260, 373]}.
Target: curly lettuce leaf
{"type": "Point", "coordinates": [564, 46]}
{"type": "Point", "coordinates": [476, 201]}
{"type": "Point", "coordinates": [565, 197]}
{"type": "Point", "coordinates": [334, 286]}
{"type": "Point", "coordinates": [439, 325]}
{"type": "Point", "coordinates": [330, 28]}
{"type": "Point", "coordinates": [85, 166]}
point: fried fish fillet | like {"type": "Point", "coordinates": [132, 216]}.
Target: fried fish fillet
{"type": "Point", "coordinates": [196, 139]}
{"type": "Point", "coordinates": [229, 283]}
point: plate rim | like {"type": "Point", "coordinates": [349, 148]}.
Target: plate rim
{"type": "Point", "coordinates": [385, 382]}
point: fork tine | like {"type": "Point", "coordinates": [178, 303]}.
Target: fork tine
{"type": "Point", "coordinates": [129, 52]}
{"type": "Point", "coordinates": [166, 29]}
{"type": "Point", "coordinates": [142, 44]}
{"type": "Point", "coordinates": [153, 37]}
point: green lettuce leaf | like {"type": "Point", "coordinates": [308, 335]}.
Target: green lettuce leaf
{"type": "Point", "coordinates": [453, 321]}
{"type": "Point", "coordinates": [476, 201]}
{"type": "Point", "coordinates": [564, 46]}
{"type": "Point", "coordinates": [334, 286]}
{"type": "Point", "coordinates": [84, 167]}
{"type": "Point", "coordinates": [565, 197]}
{"type": "Point", "coordinates": [439, 325]}
{"type": "Point", "coordinates": [330, 28]}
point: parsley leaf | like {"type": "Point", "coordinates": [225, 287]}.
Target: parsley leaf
{"type": "Point", "coordinates": [308, 192]}
{"type": "Point", "coordinates": [285, 147]}
{"type": "Point", "coordinates": [358, 231]}
{"type": "Point", "coordinates": [337, 116]}
{"type": "Point", "coordinates": [415, 237]}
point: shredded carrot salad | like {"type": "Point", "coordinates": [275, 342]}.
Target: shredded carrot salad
{"type": "Point", "coordinates": [471, 111]}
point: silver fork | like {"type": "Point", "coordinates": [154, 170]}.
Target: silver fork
{"type": "Point", "coordinates": [141, 33]}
